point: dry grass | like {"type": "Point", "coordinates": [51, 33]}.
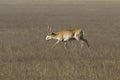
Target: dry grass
{"type": "Point", "coordinates": [25, 55]}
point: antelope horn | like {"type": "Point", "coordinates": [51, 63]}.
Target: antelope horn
{"type": "Point", "coordinates": [49, 29]}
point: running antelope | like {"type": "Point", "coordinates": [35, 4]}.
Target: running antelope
{"type": "Point", "coordinates": [67, 35]}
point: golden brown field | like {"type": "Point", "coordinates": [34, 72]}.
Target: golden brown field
{"type": "Point", "coordinates": [25, 55]}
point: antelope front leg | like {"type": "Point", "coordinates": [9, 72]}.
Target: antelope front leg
{"type": "Point", "coordinates": [55, 44]}
{"type": "Point", "coordinates": [65, 45]}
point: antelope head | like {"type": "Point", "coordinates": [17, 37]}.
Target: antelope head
{"type": "Point", "coordinates": [50, 34]}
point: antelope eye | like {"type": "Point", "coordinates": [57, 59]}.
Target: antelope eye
{"type": "Point", "coordinates": [52, 33]}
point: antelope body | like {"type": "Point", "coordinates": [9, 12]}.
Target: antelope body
{"type": "Point", "coordinates": [67, 35]}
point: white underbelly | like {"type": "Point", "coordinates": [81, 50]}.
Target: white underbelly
{"type": "Point", "coordinates": [67, 38]}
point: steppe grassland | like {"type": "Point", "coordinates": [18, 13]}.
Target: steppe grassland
{"type": "Point", "coordinates": [25, 55]}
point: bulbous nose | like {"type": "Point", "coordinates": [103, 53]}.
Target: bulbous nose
{"type": "Point", "coordinates": [46, 38]}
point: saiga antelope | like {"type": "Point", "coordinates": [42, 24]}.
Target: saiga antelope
{"type": "Point", "coordinates": [67, 35]}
